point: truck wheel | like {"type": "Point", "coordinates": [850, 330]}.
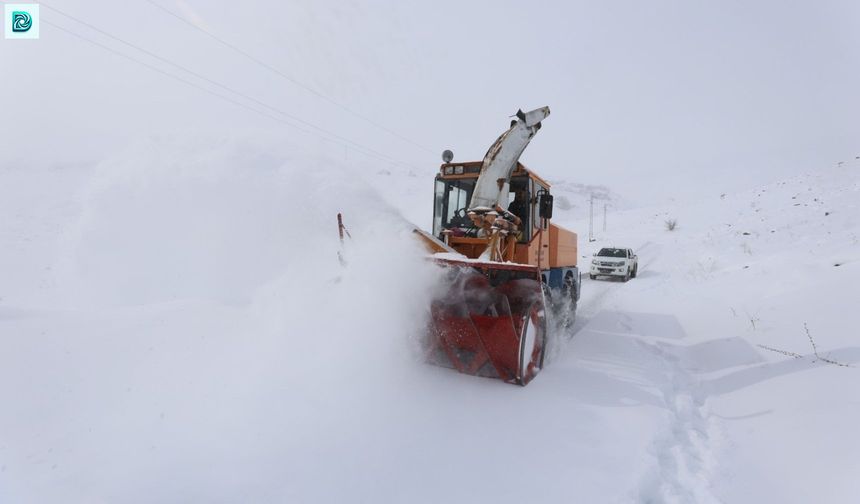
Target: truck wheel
{"type": "Point", "coordinates": [635, 271]}
{"type": "Point", "coordinates": [570, 292]}
{"type": "Point", "coordinates": [592, 276]}
{"type": "Point", "coordinates": [627, 275]}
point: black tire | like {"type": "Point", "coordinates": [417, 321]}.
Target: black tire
{"type": "Point", "coordinates": [592, 276]}
{"type": "Point", "coordinates": [626, 276]}
{"type": "Point", "coordinates": [572, 308]}
{"type": "Point", "coordinates": [635, 271]}
{"type": "Point", "coordinates": [570, 294]}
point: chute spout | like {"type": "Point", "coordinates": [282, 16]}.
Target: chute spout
{"type": "Point", "coordinates": [502, 157]}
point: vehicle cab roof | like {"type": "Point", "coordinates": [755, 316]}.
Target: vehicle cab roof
{"type": "Point", "coordinates": [471, 169]}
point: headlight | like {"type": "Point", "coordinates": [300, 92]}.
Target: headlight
{"type": "Point", "coordinates": [449, 170]}
{"type": "Point", "coordinates": [458, 170]}
{"type": "Point", "coordinates": [594, 261]}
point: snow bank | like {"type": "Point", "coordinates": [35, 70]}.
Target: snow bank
{"type": "Point", "coordinates": [214, 221]}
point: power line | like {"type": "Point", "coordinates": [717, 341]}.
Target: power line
{"type": "Point", "coordinates": [333, 135]}
{"type": "Point", "coordinates": [196, 86]}
{"type": "Point", "coordinates": [286, 76]}
{"type": "Point", "coordinates": [156, 69]}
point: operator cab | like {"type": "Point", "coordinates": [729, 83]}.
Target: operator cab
{"type": "Point", "coordinates": [454, 186]}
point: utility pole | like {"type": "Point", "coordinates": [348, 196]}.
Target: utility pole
{"type": "Point", "coordinates": [604, 217]}
{"type": "Point", "coordinates": [591, 218]}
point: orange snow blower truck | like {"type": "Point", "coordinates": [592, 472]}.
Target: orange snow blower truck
{"type": "Point", "coordinates": [507, 267]}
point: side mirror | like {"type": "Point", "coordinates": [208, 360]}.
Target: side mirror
{"type": "Point", "coordinates": [545, 206]}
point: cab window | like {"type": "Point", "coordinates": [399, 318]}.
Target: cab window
{"type": "Point", "coordinates": [451, 201]}
{"type": "Point", "coordinates": [520, 204]}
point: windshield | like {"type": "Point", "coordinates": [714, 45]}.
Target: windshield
{"type": "Point", "coordinates": [452, 201]}
{"type": "Point", "coordinates": [612, 252]}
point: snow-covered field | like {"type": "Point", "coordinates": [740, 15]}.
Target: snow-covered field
{"type": "Point", "coordinates": [175, 327]}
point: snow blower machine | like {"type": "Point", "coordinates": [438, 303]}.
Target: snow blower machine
{"type": "Point", "coordinates": [507, 268]}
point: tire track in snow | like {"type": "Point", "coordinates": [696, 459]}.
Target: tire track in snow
{"type": "Point", "coordinates": [685, 451]}
{"type": "Point", "coordinates": [646, 259]}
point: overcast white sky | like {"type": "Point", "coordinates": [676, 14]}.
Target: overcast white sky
{"type": "Point", "coordinates": [650, 98]}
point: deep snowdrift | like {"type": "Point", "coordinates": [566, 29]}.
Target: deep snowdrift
{"type": "Point", "coordinates": [195, 306]}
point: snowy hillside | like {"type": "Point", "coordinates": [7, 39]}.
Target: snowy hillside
{"type": "Point", "coordinates": [720, 314]}
{"type": "Point", "coordinates": [175, 327]}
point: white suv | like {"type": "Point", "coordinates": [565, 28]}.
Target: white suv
{"type": "Point", "coordinates": [616, 262]}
